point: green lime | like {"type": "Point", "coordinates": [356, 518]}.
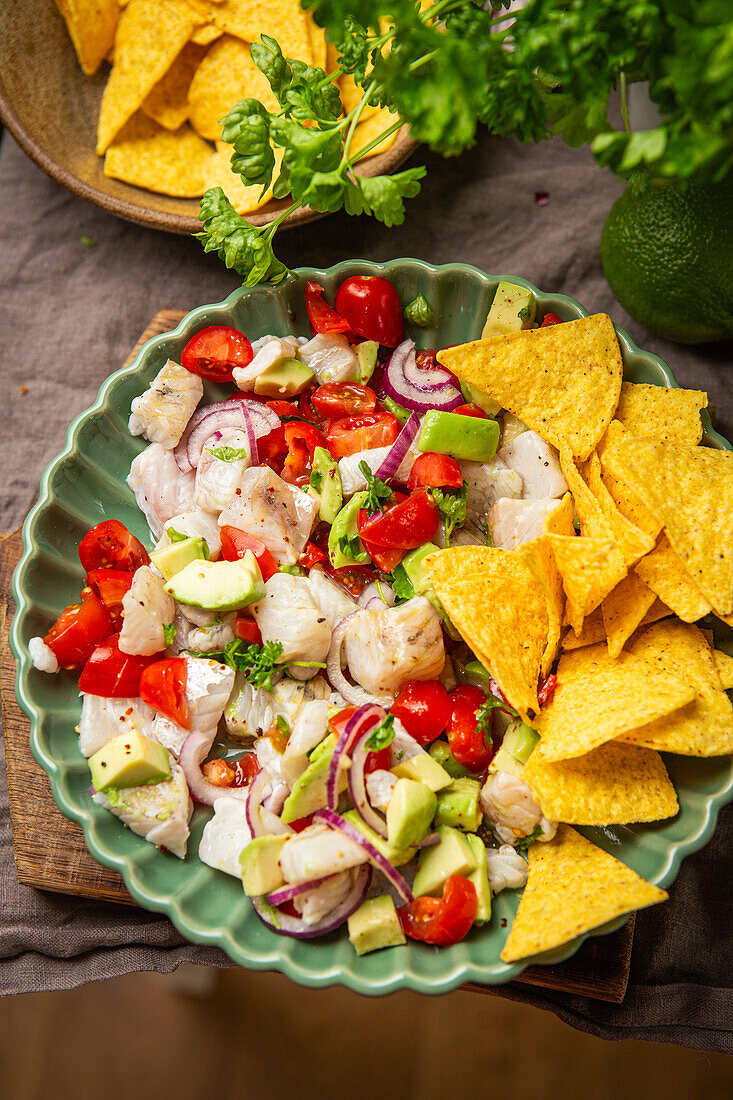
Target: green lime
{"type": "Point", "coordinates": [668, 256]}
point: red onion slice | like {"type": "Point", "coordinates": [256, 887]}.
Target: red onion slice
{"type": "Point", "coordinates": [253, 803]}
{"type": "Point", "coordinates": [287, 893]}
{"type": "Point", "coordinates": [285, 925]}
{"type": "Point", "coordinates": [353, 694]}
{"type": "Point", "coordinates": [357, 787]}
{"type": "Point", "coordinates": [334, 821]}
{"type": "Point", "coordinates": [216, 417]}
{"type": "Point", "coordinates": [363, 718]}
{"type": "Point", "coordinates": [377, 596]}
{"type": "Point", "coordinates": [193, 752]}
{"type": "Point", "coordinates": [419, 388]}
{"type": "Point", "coordinates": [399, 448]}
{"type": "Point", "coordinates": [254, 454]}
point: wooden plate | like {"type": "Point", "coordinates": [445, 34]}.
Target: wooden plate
{"type": "Point", "coordinates": [51, 108]}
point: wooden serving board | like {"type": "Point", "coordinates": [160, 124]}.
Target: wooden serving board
{"type": "Point", "coordinates": [51, 854]}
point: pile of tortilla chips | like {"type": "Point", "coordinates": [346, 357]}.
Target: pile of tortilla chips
{"type": "Point", "coordinates": [611, 609]}
{"type": "Point", "coordinates": [178, 67]}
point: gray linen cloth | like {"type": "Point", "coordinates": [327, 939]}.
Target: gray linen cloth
{"type": "Point", "coordinates": [68, 317]}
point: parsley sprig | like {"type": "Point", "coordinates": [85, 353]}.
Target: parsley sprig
{"type": "Point", "coordinates": [378, 493]}
{"type": "Point", "coordinates": [452, 507]}
{"type": "Point", "coordinates": [382, 735]}
{"type": "Point", "coordinates": [258, 663]}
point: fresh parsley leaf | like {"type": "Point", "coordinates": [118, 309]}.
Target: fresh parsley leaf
{"type": "Point", "coordinates": [419, 311]}
{"type": "Point", "coordinates": [452, 507]}
{"type": "Point", "coordinates": [283, 725]}
{"type": "Point", "coordinates": [382, 735]}
{"type": "Point", "coordinates": [229, 454]}
{"type": "Point", "coordinates": [258, 663]}
{"type": "Point", "coordinates": [247, 128]}
{"type": "Point", "coordinates": [384, 195]}
{"type": "Point", "coordinates": [243, 247]}
{"type": "Point", "coordinates": [401, 583]}
{"type": "Point", "coordinates": [268, 57]}
{"type": "Point", "coordinates": [88, 242]}
{"type": "Point", "coordinates": [351, 547]}
{"type": "Point", "coordinates": [377, 492]}
{"type": "Point", "coordinates": [169, 633]}
{"type": "Point", "coordinates": [316, 480]}
{"type": "Point", "coordinates": [525, 842]}
{"type": "Point", "coordinates": [175, 536]}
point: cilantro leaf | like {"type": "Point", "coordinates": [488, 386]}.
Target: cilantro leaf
{"type": "Point", "coordinates": [382, 735]}
{"type": "Point", "coordinates": [401, 583]}
{"type": "Point", "coordinates": [228, 454]}
{"type": "Point", "coordinates": [525, 842]}
{"type": "Point", "coordinates": [268, 57]}
{"type": "Point", "coordinates": [169, 633]}
{"type": "Point", "coordinates": [258, 663]}
{"type": "Point", "coordinates": [377, 492]}
{"type": "Point", "coordinates": [283, 725]}
{"type": "Point", "coordinates": [452, 507]}
{"type": "Point", "coordinates": [419, 311]}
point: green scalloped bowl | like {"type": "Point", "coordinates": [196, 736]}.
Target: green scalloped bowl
{"type": "Point", "coordinates": [86, 484]}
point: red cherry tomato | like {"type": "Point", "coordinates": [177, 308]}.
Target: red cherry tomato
{"type": "Point", "coordinates": [338, 723]}
{"type": "Point", "coordinates": [384, 557]}
{"type": "Point", "coordinates": [378, 761]}
{"type": "Point", "coordinates": [323, 317]}
{"type": "Point", "coordinates": [297, 826]}
{"type": "Point", "coordinates": [113, 674]}
{"type": "Point", "coordinates": [354, 578]}
{"type": "Point", "coordinates": [308, 410]}
{"type": "Point", "coordinates": [547, 690]}
{"type": "Point", "coordinates": [302, 440]}
{"type": "Point", "coordinates": [109, 545]}
{"type": "Point", "coordinates": [445, 920]}
{"type": "Point", "coordinates": [433, 470]}
{"type": "Point", "coordinates": [405, 525]}
{"type": "Point", "coordinates": [245, 769]}
{"type": "Point", "coordinates": [79, 629]}
{"type": "Point", "coordinates": [272, 445]}
{"type": "Point", "coordinates": [470, 746]}
{"type": "Point", "coordinates": [423, 708]}
{"type": "Point", "coordinates": [337, 399]}
{"type": "Point", "coordinates": [362, 433]}
{"type": "Point", "coordinates": [550, 319]}
{"type": "Point", "coordinates": [234, 544]}
{"type": "Point", "coordinates": [472, 410]}
{"type": "Point", "coordinates": [312, 555]}
{"type": "Point", "coordinates": [163, 687]}
{"type": "Point", "coordinates": [215, 352]}
{"type": "Point", "coordinates": [372, 307]}
{"type": "Point", "coordinates": [247, 630]}
{"type": "Point", "coordinates": [110, 586]}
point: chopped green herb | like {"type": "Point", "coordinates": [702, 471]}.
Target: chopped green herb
{"type": "Point", "coordinates": [176, 536]}
{"type": "Point", "coordinates": [229, 454]}
{"type": "Point", "coordinates": [419, 311]}
{"type": "Point", "coordinates": [88, 242]}
{"type": "Point", "coordinates": [452, 507]}
{"type": "Point", "coordinates": [525, 842]}
{"type": "Point", "coordinates": [316, 480]}
{"type": "Point", "coordinates": [403, 586]}
{"type": "Point", "coordinates": [382, 735]}
{"type": "Point", "coordinates": [351, 547]}
{"type": "Point", "coordinates": [169, 633]}
{"type": "Point", "coordinates": [308, 664]}
{"type": "Point", "coordinates": [377, 492]}
{"type": "Point", "coordinates": [524, 314]}
{"type": "Point", "coordinates": [283, 725]}
{"type": "Point", "coordinates": [484, 525]}
{"type": "Point", "coordinates": [258, 663]}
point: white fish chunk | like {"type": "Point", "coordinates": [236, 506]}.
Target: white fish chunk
{"type": "Point", "coordinates": [158, 812]}
{"type": "Point", "coordinates": [225, 836]}
{"type": "Point", "coordinates": [163, 411]}
{"type": "Point", "coordinates": [352, 478]}
{"type": "Point", "coordinates": [507, 869]}
{"type": "Point", "coordinates": [314, 905]}
{"type": "Point", "coordinates": [538, 464]}
{"type": "Point", "coordinates": [280, 515]}
{"type": "Point", "coordinates": [206, 639]}
{"type": "Point", "coordinates": [160, 489]}
{"type": "Point", "coordinates": [386, 647]}
{"type": "Point", "coordinates": [331, 358]}
{"type": "Point", "coordinates": [251, 711]}
{"type": "Point", "coordinates": [43, 657]}
{"type": "Point", "coordinates": [488, 482]}
{"type": "Point", "coordinates": [316, 852]}
{"type": "Point", "coordinates": [309, 729]}
{"type": "Point", "coordinates": [513, 522]}
{"type": "Point", "coordinates": [267, 351]}
{"type": "Point", "coordinates": [380, 787]}
{"type": "Point", "coordinates": [195, 524]}
{"type": "Point", "coordinates": [268, 757]}
{"type": "Point", "coordinates": [288, 614]}
{"type": "Point", "coordinates": [208, 687]}
{"type": "Point", "coordinates": [511, 809]}
{"type": "Point", "coordinates": [146, 609]}
{"type": "Point", "coordinates": [217, 479]}
{"type": "Point", "coordinates": [330, 598]}
{"type": "Point", "coordinates": [102, 719]}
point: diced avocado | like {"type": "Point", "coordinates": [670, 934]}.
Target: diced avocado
{"type": "Point", "coordinates": [468, 437]}
{"type": "Point", "coordinates": [172, 559]}
{"type": "Point", "coordinates": [366, 358]}
{"type": "Point", "coordinates": [472, 395]}
{"type": "Point", "coordinates": [513, 308]}
{"type": "Point", "coordinates": [477, 674]}
{"type": "Point", "coordinates": [326, 480]}
{"type": "Point", "coordinates": [345, 527]}
{"type": "Point", "coordinates": [409, 813]}
{"type": "Point", "coordinates": [403, 415]}
{"type": "Point", "coordinates": [412, 564]}
{"type": "Point", "coordinates": [505, 762]}
{"type": "Point", "coordinates": [219, 585]}
{"type": "Point", "coordinates": [440, 751]}
{"type": "Point", "coordinates": [397, 856]}
{"type": "Point", "coordinates": [423, 769]}
{"type": "Point", "coordinates": [375, 924]}
{"type": "Point", "coordinates": [309, 791]}
{"type": "Point", "coordinates": [519, 741]}
{"type": "Point", "coordinates": [480, 879]}
{"type": "Point", "coordinates": [129, 760]}
{"type": "Point", "coordinates": [285, 378]}
{"type": "Point", "coordinates": [292, 570]}
{"type": "Point", "coordinates": [452, 855]}
{"type": "Point", "coordinates": [323, 748]}
{"type": "Point", "coordinates": [260, 865]}
{"type": "Point", "coordinates": [458, 805]}
{"type": "Point", "coordinates": [513, 427]}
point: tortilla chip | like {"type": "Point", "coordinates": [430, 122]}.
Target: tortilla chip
{"type": "Point", "coordinates": [573, 886]}
{"type": "Point", "coordinates": [225, 76]}
{"type": "Point", "coordinates": [590, 568]}
{"type": "Point", "coordinates": [629, 502]}
{"type": "Point", "coordinates": [500, 608]}
{"type": "Point", "coordinates": [249, 19]}
{"type": "Point", "coordinates": [724, 668]}
{"type": "Point", "coordinates": [369, 128]}
{"type": "Point", "coordinates": [317, 42]}
{"type": "Point", "coordinates": [91, 25]}
{"type": "Point", "coordinates": [663, 571]}
{"type": "Point", "coordinates": [560, 520]}
{"type": "Point", "coordinates": [167, 103]}
{"type": "Point", "coordinates": [599, 697]}
{"type": "Point", "coordinates": [633, 542]}
{"type": "Point", "coordinates": [624, 610]}
{"type": "Point", "coordinates": [690, 489]}
{"type": "Point", "coordinates": [705, 726]}
{"type": "Point", "coordinates": [150, 35]}
{"type": "Point", "coordinates": [563, 381]}
{"type": "Point", "coordinates": [539, 557]}
{"type": "Point", "coordinates": [245, 199]}
{"type": "Point", "coordinates": [612, 785]}
{"type": "Point", "coordinates": [662, 415]}
{"type": "Point", "coordinates": [170, 162]}
{"type": "Point", "coordinates": [594, 630]}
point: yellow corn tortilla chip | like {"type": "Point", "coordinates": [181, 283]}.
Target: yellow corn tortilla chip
{"type": "Point", "coordinates": [204, 36]}
{"type": "Point", "coordinates": [91, 25]}
{"type": "Point", "coordinates": [629, 502]}
{"type": "Point", "coordinates": [500, 608]}
{"type": "Point", "coordinates": [704, 727]}
{"type": "Point", "coordinates": [560, 520]}
{"type": "Point", "coordinates": [612, 785]}
{"type": "Point", "coordinates": [167, 102]}
{"type": "Point", "coordinates": [170, 162]}
{"type": "Point", "coordinates": [661, 414]}
{"type": "Point", "coordinates": [573, 886]}
{"type": "Point", "coordinates": [369, 128]}
{"type": "Point", "coordinates": [624, 610]}
{"type": "Point", "coordinates": [690, 489]}
{"type": "Point", "coordinates": [244, 199]}
{"type": "Point", "coordinates": [563, 381]}
{"type": "Point", "coordinates": [663, 571]}
{"type": "Point", "coordinates": [594, 630]}
{"type": "Point", "coordinates": [150, 35]}
{"type": "Point", "coordinates": [590, 568]}
{"type": "Point", "coordinates": [225, 76]}
{"type": "Point", "coordinates": [633, 542]}
{"type": "Point", "coordinates": [539, 557]}
{"type": "Point", "coordinates": [724, 668]}
{"type": "Point", "coordinates": [249, 19]}
{"type": "Point", "coordinates": [599, 698]}
{"type": "Point", "coordinates": [317, 42]}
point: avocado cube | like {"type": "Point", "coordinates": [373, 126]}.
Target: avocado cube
{"type": "Point", "coordinates": [375, 924]}
{"type": "Point", "coordinates": [423, 769]}
{"type": "Point", "coordinates": [397, 856]}
{"type": "Point", "coordinates": [285, 378]}
{"type": "Point", "coordinates": [260, 865]}
{"type": "Point", "coordinates": [472, 395]}
{"type": "Point", "coordinates": [458, 805]}
{"type": "Point", "coordinates": [345, 527]}
{"type": "Point", "coordinates": [513, 308]}
{"type": "Point", "coordinates": [412, 564]}
{"type": "Point", "coordinates": [505, 762]}
{"type": "Point", "coordinates": [452, 855]}
{"type": "Point", "coordinates": [519, 741]}
{"type": "Point", "coordinates": [466, 437]}
{"type": "Point", "coordinates": [129, 760]}
{"type": "Point", "coordinates": [409, 813]}
{"type": "Point", "coordinates": [440, 751]}
{"type": "Point", "coordinates": [172, 559]}
{"type": "Point", "coordinates": [310, 790]}
{"type": "Point", "coordinates": [326, 479]}
{"type": "Point", "coordinates": [366, 358]}
{"type": "Point", "coordinates": [480, 879]}
{"type": "Point", "coordinates": [219, 585]}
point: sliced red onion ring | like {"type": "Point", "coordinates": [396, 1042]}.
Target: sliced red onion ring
{"type": "Point", "coordinates": [334, 821]}
{"type": "Point", "coordinates": [253, 803]}
{"type": "Point", "coordinates": [377, 596]}
{"type": "Point", "coordinates": [364, 718]}
{"type": "Point", "coordinates": [400, 447]}
{"type": "Point", "coordinates": [193, 752]}
{"type": "Point", "coordinates": [216, 417]}
{"type": "Point", "coordinates": [357, 696]}
{"type": "Point", "coordinates": [254, 454]}
{"type": "Point", "coordinates": [286, 925]}
{"type": "Point", "coordinates": [287, 893]}
{"type": "Point", "coordinates": [419, 388]}
{"type": "Point", "coordinates": [357, 787]}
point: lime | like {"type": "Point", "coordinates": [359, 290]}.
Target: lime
{"type": "Point", "coordinates": [668, 256]}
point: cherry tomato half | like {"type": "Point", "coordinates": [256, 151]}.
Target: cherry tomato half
{"type": "Point", "coordinates": [240, 773]}
{"type": "Point", "coordinates": [323, 317]}
{"type": "Point", "coordinates": [272, 445]}
{"type": "Point", "coordinates": [423, 708]}
{"type": "Point", "coordinates": [550, 319]}
{"type": "Point", "coordinates": [372, 307]}
{"type": "Point", "coordinates": [362, 433]}
{"type": "Point", "coordinates": [215, 352]}
{"type": "Point", "coordinates": [312, 555]}
{"type": "Point", "coordinates": [435, 471]}
{"type": "Point", "coordinates": [247, 630]}
{"type": "Point", "coordinates": [79, 629]}
{"type": "Point", "coordinates": [472, 410]}
{"type": "Point", "coordinates": [337, 399]}
{"type": "Point", "coordinates": [110, 586]}
{"type": "Point", "coordinates": [113, 674]}
{"type": "Point", "coordinates": [109, 545]}
{"type": "Point", "coordinates": [354, 578]}
{"type": "Point", "coordinates": [405, 525]}
{"type": "Point", "coordinates": [470, 745]}
{"type": "Point", "coordinates": [234, 544]}
{"type": "Point", "coordinates": [445, 920]}
{"type": "Point", "coordinates": [384, 557]}
{"type": "Point", "coordinates": [163, 687]}
{"type": "Point", "coordinates": [302, 440]}
{"type": "Point", "coordinates": [378, 761]}
{"type": "Point", "coordinates": [547, 689]}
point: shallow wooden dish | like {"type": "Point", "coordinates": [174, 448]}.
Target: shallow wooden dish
{"type": "Point", "coordinates": [51, 107]}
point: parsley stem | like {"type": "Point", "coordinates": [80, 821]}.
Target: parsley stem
{"type": "Point", "coordinates": [624, 102]}
{"type": "Point", "coordinates": [354, 120]}
{"type": "Point", "coordinates": [376, 141]}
